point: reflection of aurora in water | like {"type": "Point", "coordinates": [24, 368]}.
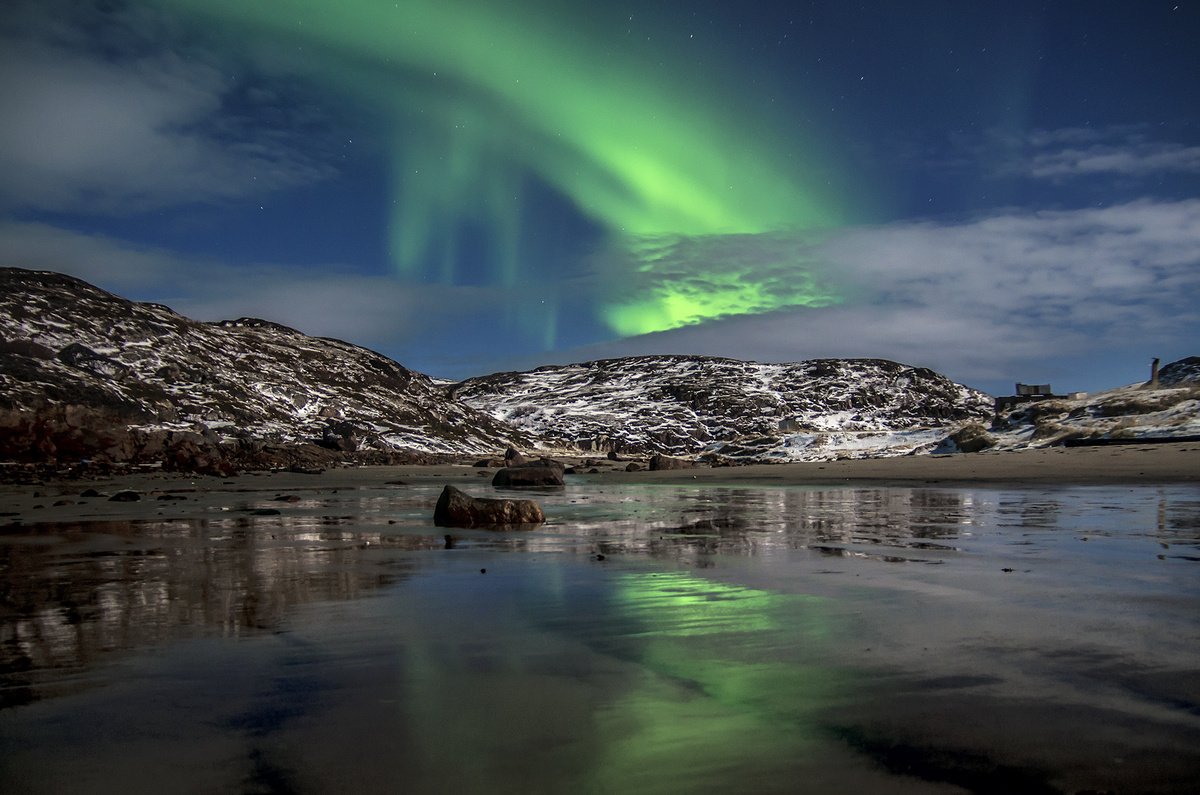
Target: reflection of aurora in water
{"type": "Point", "coordinates": [678, 604]}
{"type": "Point", "coordinates": [719, 646]}
{"type": "Point", "coordinates": [727, 680]}
{"type": "Point", "coordinates": [639, 679]}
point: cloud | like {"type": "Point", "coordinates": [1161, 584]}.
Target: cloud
{"type": "Point", "coordinates": [372, 310]}
{"type": "Point", "coordinates": [981, 300]}
{"type": "Point", "coordinates": [1137, 160]}
{"type": "Point", "coordinates": [1129, 151]}
{"type": "Point", "coordinates": [81, 129]}
{"type": "Point", "coordinates": [672, 281]}
{"type": "Point", "coordinates": [1013, 295]}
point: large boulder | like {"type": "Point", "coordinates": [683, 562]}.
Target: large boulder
{"type": "Point", "coordinates": [340, 436]}
{"type": "Point", "coordinates": [539, 473]}
{"type": "Point", "coordinates": [971, 438]}
{"type": "Point", "coordinates": [658, 462]}
{"type": "Point", "coordinates": [456, 508]}
{"type": "Point", "coordinates": [1185, 372]}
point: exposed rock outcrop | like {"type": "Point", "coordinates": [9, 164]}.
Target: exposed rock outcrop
{"type": "Point", "coordinates": [971, 438]}
{"type": "Point", "coordinates": [1185, 372]}
{"type": "Point", "coordinates": [1172, 411]}
{"type": "Point", "coordinates": [658, 462]}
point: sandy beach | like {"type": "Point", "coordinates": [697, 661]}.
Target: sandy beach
{"type": "Point", "coordinates": [1151, 463]}
{"type": "Point", "coordinates": [844, 624]}
{"type": "Point", "coordinates": [1132, 464]}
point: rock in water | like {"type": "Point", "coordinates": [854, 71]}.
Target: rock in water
{"type": "Point", "coordinates": [456, 508]}
{"type": "Point", "coordinates": [663, 462]}
{"type": "Point", "coordinates": [536, 474]}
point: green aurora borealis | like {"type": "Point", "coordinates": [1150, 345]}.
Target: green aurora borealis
{"type": "Point", "coordinates": [649, 147]}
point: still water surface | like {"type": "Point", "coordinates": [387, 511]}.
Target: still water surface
{"type": "Point", "coordinates": [648, 639]}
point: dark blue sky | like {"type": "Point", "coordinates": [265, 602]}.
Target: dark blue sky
{"type": "Point", "coordinates": [998, 191]}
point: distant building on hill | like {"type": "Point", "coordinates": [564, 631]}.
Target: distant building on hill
{"type": "Point", "coordinates": [1031, 393]}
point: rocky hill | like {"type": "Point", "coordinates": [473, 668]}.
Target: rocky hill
{"type": "Point", "coordinates": [1185, 372]}
{"type": "Point", "coordinates": [1134, 413]}
{"type": "Point", "coordinates": [687, 405]}
{"type": "Point", "coordinates": [88, 375]}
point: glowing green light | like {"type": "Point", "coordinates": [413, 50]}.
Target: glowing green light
{"type": "Point", "coordinates": [483, 93]}
{"type": "Point", "coordinates": [703, 296]}
{"type": "Point", "coordinates": [761, 701]}
{"type": "Point", "coordinates": [678, 604]}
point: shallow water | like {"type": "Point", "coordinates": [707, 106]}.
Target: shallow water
{"type": "Point", "coordinates": [648, 639]}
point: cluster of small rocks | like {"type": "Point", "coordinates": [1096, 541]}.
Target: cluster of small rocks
{"type": "Point", "coordinates": [456, 508]}
{"type": "Point", "coordinates": [67, 441]}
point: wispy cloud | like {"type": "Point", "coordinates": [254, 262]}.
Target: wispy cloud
{"type": "Point", "coordinates": [83, 129]}
{"type": "Point", "coordinates": [1135, 160]}
{"type": "Point", "coordinates": [1122, 151]}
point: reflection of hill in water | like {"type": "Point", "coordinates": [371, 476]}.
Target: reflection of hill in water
{"type": "Point", "coordinates": [894, 525]}
{"type": "Point", "coordinates": [691, 523]}
{"type": "Point", "coordinates": [71, 592]}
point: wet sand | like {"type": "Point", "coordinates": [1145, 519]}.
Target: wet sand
{"type": "Point", "coordinates": [1133, 464]}
{"type": "Point", "coordinates": [1027, 623]}
{"type": "Point", "coordinates": [1151, 463]}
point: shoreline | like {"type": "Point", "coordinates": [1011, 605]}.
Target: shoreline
{"type": "Point", "coordinates": [1175, 463]}
{"type": "Point", "coordinates": [1134, 464]}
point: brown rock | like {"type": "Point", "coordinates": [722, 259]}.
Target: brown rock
{"type": "Point", "coordinates": [663, 462]}
{"type": "Point", "coordinates": [972, 438]}
{"type": "Point", "coordinates": [456, 508]}
{"type": "Point", "coordinates": [537, 474]}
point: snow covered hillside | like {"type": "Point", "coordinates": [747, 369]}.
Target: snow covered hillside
{"type": "Point", "coordinates": [65, 343]}
{"type": "Point", "coordinates": [687, 405]}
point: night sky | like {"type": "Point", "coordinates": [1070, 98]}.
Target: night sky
{"type": "Point", "coordinates": [999, 191]}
